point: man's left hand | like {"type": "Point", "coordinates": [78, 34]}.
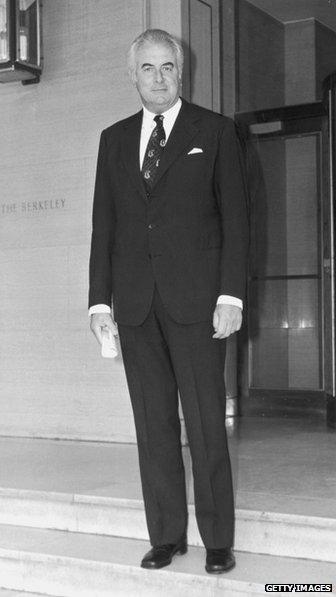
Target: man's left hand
{"type": "Point", "coordinates": [227, 319]}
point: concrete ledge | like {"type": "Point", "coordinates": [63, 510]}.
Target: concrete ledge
{"type": "Point", "coordinates": [270, 533]}
{"type": "Point", "coordinates": [70, 565]}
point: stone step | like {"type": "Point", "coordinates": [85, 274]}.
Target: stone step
{"type": "Point", "coordinates": [261, 532]}
{"type": "Point", "coordinates": [68, 564]}
{"type": "Point", "coordinates": [10, 593]}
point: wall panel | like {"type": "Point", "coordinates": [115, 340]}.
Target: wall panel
{"type": "Point", "coordinates": [201, 33]}
{"type": "Point", "coordinates": [300, 62]}
{"type": "Point", "coordinates": [325, 51]}
{"type": "Point", "coordinates": [261, 67]}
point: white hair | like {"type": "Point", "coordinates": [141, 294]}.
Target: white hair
{"type": "Point", "coordinates": [154, 36]}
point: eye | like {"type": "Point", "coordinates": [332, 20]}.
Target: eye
{"type": "Point", "coordinates": [147, 69]}
{"type": "Point", "coordinates": [167, 68]}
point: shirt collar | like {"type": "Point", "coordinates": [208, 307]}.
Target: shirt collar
{"type": "Point", "coordinates": [170, 115]}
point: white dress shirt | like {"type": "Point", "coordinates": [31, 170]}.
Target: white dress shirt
{"type": "Point", "coordinates": [148, 124]}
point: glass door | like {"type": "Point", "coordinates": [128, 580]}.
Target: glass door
{"type": "Point", "coordinates": [289, 292]}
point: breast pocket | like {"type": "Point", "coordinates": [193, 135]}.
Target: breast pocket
{"type": "Point", "coordinates": [194, 157]}
{"type": "Point", "coordinates": [192, 166]}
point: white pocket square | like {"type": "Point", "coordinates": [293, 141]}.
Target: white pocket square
{"type": "Point", "coordinates": [195, 150]}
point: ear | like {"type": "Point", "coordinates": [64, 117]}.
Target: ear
{"type": "Point", "coordinates": [132, 76]}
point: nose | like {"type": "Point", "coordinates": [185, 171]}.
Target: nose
{"type": "Point", "coordinates": [158, 75]}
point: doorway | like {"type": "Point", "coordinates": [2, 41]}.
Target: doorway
{"type": "Point", "coordinates": [287, 360]}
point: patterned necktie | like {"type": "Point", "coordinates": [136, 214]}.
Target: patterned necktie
{"type": "Point", "coordinates": [153, 153]}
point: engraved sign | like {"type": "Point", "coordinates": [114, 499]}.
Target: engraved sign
{"type": "Point", "coordinates": [26, 207]}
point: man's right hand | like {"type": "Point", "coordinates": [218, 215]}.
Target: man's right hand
{"type": "Point", "coordinates": [99, 321]}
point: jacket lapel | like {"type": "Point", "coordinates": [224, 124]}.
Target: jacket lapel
{"type": "Point", "coordinates": [182, 133]}
{"type": "Point", "coordinates": [130, 147]}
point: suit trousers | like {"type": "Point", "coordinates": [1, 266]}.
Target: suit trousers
{"type": "Point", "coordinates": [161, 358]}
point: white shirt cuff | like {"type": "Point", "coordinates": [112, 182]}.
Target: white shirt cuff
{"type": "Point", "coordinates": [226, 299]}
{"type": "Point", "coordinates": [99, 309]}
{"type": "Point", "coordinates": [223, 299]}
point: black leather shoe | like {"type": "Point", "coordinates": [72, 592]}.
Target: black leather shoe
{"type": "Point", "coordinates": [219, 560]}
{"type": "Point", "coordinates": [162, 555]}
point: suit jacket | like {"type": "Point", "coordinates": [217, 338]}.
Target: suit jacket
{"type": "Point", "coordinates": [188, 236]}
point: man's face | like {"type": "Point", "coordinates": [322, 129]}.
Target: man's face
{"type": "Point", "coordinates": [157, 77]}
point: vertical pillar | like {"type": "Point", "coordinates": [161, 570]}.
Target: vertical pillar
{"type": "Point", "coordinates": [164, 14]}
{"type": "Point", "coordinates": [229, 87]}
{"type": "Point", "coordinates": [229, 68]}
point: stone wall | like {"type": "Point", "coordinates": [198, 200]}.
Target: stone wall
{"type": "Point", "coordinates": [53, 381]}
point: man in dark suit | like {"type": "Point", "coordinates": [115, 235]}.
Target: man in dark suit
{"type": "Point", "coordinates": [169, 246]}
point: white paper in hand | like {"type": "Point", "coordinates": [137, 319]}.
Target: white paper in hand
{"type": "Point", "coordinates": [109, 346]}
